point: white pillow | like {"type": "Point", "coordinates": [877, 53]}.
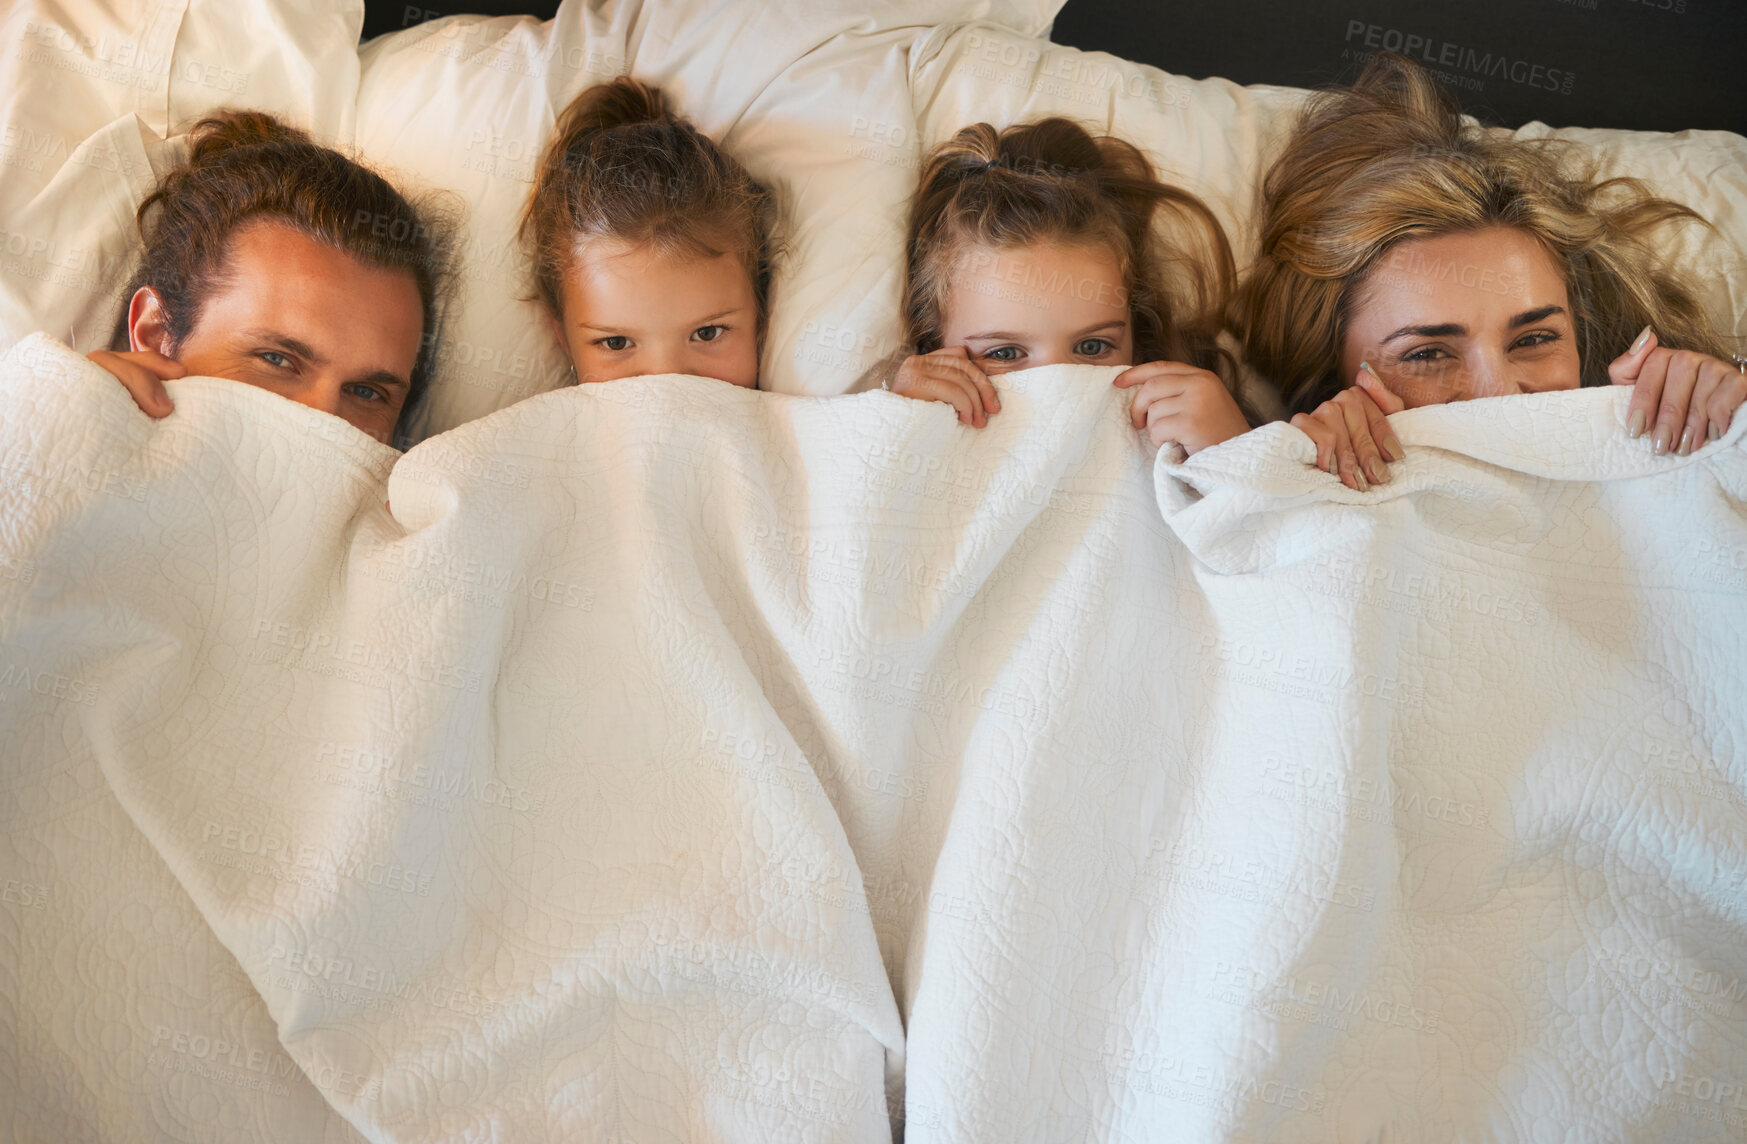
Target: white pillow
{"type": "Point", "coordinates": [87, 95]}
{"type": "Point", "coordinates": [68, 251]}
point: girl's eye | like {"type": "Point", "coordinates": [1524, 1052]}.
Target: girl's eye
{"type": "Point", "coordinates": [275, 359]}
{"type": "Point", "coordinates": [708, 333]}
{"type": "Point", "coordinates": [615, 343]}
{"type": "Point", "coordinates": [1002, 353]}
{"type": "Point", "coordinates": [1092, 347]}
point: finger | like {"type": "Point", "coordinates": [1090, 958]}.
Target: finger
{"type": "Point", "coordinates": [1377, 413]}
{"type": "Point", "coordinates": [1147, 371]}
{"type": "Point", "coordinates": [1676, 396]}
{"type": "Point", "coordinates": [1320, 436]}
{"type": "Point", "coordinates": [1692, 433]}
{"type": "Point", "coordinates": [969, 381]}
{"type": "Point", "coordinates": [1623, 370]}
{"type": "Point", "coordinates": [980, 382]}
{"type": "Point", "coordinates": [1728, 397]}
{"type": "Point", "coordinates": [956, 390]}
{"type": "Point", "coordinates": [145, 387]}
{"type": "Point", "coordinates": [167, 368]}
{"type": "Point", "coordinates": [1381, 394]}
{"type": "Point", "coordinates": [1345, 463]}
{"type": "Point", "coordinates": [1153, 391]}
{"type": "Point", "coordinates": [1368, 456]}
{"type": "Point", "coordinates": [1647, 393]}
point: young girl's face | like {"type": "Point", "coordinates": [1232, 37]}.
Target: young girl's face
{"type": "Point", "coordinates": [631, 309]}
{"type": "Point", "coordinates": [1050, 303]}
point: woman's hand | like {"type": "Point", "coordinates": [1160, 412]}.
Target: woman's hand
{"type": "Point", "coordinates": [948, 375]}
{"type": "Point", "coordinates": [1682, 397]}
{"type": "Point", "coordinates": [1177, 402]}
{"type": "Point", "coordinates": [142, 373]}
{"type": "Point", "coordinates": [1352, 434]}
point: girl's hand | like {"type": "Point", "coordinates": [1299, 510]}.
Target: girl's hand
{"type": "Point", "coordinates": [142, 373]}
{"type": "Point", "coordinates": [1686, 398]}
{"type": "Point", "coordinates": [1177, 402]}
{"type": "Point", "coordinates": [1352, 434]}
{"type": "Point", "coordinates": [948, 375]}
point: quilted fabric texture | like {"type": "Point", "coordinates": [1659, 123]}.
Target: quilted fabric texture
{"type": "Point", "coordinates": [659, 744]}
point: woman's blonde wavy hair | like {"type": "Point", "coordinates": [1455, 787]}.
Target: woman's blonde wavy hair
{"type": "Point", "coordinates": [1052, 180]}
{"type": "Point", "coordinates": [1390, 159]}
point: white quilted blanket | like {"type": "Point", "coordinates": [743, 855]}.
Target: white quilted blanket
{"type": "Point", "coordinates": [664, 742]}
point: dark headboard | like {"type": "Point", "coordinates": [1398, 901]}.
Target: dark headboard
{"type": "Point", "coordinates": [1657, 65]}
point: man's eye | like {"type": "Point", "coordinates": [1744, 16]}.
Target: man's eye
{"type": "Point", "coordinates": [615, 343]}
{"type": "Point", "coordinates": [1003, 353]}
{"type": "Point", "coordinates": [367, 392]}
{"type": "Point", "coordinates": [275, 359]}
{"type": "Point", "coordinates": [708, 333]}
{"type": "Point", "coordinates": [1092, 347]}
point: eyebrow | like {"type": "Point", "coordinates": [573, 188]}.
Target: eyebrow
{"type": "Point", "coordinates": [703, 321]}
{"type": "Point", "coordinates": [1447, 330]}
{"type": "Point", "coordinates": [304, 350]}
{"type": "Point", "coordinates": [1530, 317]}
{"type": "Point", "coordinates": [1005, 336]}
{"type": "Point", "coordinates": [1457, 330]}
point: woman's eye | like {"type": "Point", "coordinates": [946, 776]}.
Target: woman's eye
{"type": "Point", "coordinates": [1538, 338]}
{"type": "Point", "coordinates": [708, 333]}
{"type": "Point", "coordinates": [275, 359]}
{"type": "Point", "coordinates": [615, 343]}
{"type": "Point", "coordinates": [1003, 353]}
{"type": "Point", "coordinates": [1092, 347]}
{"type": "Point", "coordinates": [1425, 355]}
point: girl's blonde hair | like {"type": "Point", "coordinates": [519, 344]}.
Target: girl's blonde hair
{"type": "Point", "coordinates": [1053, 181]}
{"type": "Point", "coordinates": [1390, 159]}
{"type": "Point", "coordinates": [621, 165]}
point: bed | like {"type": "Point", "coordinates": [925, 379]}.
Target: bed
{"type": "Point", "coordinates": [665, 761]}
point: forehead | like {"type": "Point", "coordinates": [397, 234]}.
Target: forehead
{"type": "Point", "coordinates": [277, 276]}
{"type": "Point", "coordinates": [622, 283]}
{"type": "Point", "coordinates": [1466, 278]}
{"type": "Point", "coordinates": [1043, 288]}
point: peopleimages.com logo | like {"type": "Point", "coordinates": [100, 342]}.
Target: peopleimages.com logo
{"type": "Point", "coordinates": [1464, 62]}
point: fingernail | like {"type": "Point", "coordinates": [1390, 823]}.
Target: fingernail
{"type": "Point", "coordinates": [1712, 434]}
{"type": "Point", "coordinates": [1392, 447]}
{"type": "Point", "coordinates": [1685, 449]}
{"type": "Point", "coordinates": [1664, 439]}
{"type": "Point", "coordinates": [1359, 479]}
{"type": "Point", "coordinates": [1379, 473]}
{"type": "Point", "coordinates": [1642, 338]}
{"type": "Point", "coordinates": [1366, 366]}
{"type": "Point", "coordinates": [1635, 427]}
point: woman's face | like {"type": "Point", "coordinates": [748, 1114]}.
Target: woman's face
{"type": "Point", "coordinates": [632, 309]}
{"type": "Point", "coordinates": [1483, 313]}
{"type": "Point", "coordinates": [1047, 304]}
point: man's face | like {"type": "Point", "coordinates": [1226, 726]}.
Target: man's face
{"type": "Point", "coordinates": [304, 320]}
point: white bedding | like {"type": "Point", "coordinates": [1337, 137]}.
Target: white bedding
{"type": "Point", "coordinates": [663, 743]}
